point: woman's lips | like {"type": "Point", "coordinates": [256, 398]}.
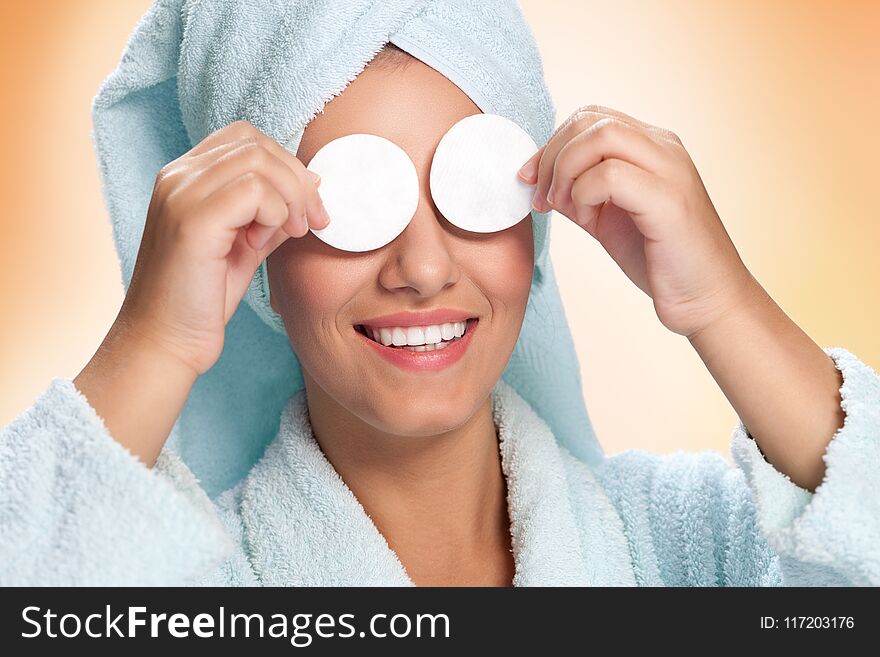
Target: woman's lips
{"type": "Point", "coordinates": [424, 361]}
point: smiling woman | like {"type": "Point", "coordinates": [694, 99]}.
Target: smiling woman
{"type": "Point", "coordinates": [430, 266]}
{"type": "Point", "coordinates": [402, 422]}
{"type": "Point", "coordinates": [410, 414]}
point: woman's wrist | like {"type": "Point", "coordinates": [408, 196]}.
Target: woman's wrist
{"type": "Point", "coordinates": [137, 387]}
{"type": "Point", "coordinates": [743, 300]}
{"type": "Point", "coordinates": [782, 385]}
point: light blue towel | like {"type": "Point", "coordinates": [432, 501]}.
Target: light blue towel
{"type": "Point", "coordinates": [193, 67]}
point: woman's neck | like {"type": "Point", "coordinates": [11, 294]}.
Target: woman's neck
{"type": "Point", "coordinates": [440, 501]}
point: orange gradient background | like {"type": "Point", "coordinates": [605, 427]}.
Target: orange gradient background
{"type": "Point", "coordinates": [776, 102]}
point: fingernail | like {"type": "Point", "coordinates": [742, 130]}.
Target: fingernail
{"type": "Point", "coordinates": [551, 198]}
{"type": "Point", "coordinates": [315, 177]}
{"type": "Point", "coordinates": [324, 215]}
{"type": "Point", "coordinates": [529, 169]}
{"type": "Point", "coordinates": [538, 202]}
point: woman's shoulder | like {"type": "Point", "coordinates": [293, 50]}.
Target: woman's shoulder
{"type": "Point", "coordinates": [649, 485]}
{"type": "Point", "coordinates": [642, 470]}
{"type": "Point", "coordinates": [677, 510]}
{"type": "Point", "coordinates": [648, 488]}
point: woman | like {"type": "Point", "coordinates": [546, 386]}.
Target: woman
{"type": "Point", "coordinates": [437, 471]}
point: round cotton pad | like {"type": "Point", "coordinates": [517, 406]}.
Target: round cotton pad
{"type": "Point", "coordinates": [370, 189]}
{"type": "Point", "coordinates": [474, 179]}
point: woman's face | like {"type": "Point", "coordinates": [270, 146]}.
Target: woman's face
{"type": "Point", "coordinates": [327, 295]}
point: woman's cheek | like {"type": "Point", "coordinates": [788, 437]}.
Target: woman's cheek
{"type": "Point", "coordinates": [504, 265]}
{"type": "Point", "coordinates": [303, 290]}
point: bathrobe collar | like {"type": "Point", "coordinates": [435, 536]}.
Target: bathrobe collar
{"type": "Point", "coordinates": [304, 526]}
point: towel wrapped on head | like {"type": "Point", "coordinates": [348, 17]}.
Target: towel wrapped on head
{"type": "Point", "coordinates": [191, 67]}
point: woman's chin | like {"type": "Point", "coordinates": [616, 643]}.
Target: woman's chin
{"type": "Point", "coordinates": [424, 413]}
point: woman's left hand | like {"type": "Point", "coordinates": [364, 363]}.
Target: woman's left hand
{"type": "Point", "coordinates": [634, 188]}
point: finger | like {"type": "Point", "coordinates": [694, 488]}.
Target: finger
{"type": "Point", "coordinates": [606, 139]}
{"type": "Point", "coordinates": [653, 130]}
{"type": "Point", "coordinates": [182, 167]}
{"type": "Point", "coordinates": [258, 233]}
{"type": "Point", "coordinates": [253, 156]}
{"type": "Point", "coordinates": [316, 213]}
{"type": "Point", "coordinates": [248, 199]}
{"type": "Point", "coordinates": [245, 132]}
{"type": "Point", "coordinates": [294, 226]}
{"type": "Point", "coordinates": [241, 258]}
{"type": "Point", "coordinates": [529, 170]}
{"type": "Point", "coordinates": [276, 240]}
{"type": "Point", "coordinates": [232, 132]}
{"type": "Point", "coordinates": [574, 124]}
{"type": "Point", "coordinates": [642, 194]}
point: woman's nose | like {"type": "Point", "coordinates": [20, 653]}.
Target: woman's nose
{"type": "Point", "coordinates": [420, 259]}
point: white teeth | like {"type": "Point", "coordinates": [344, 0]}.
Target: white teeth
{"type": "Point", "coordinates": [415, 335]}
{"type": "Point", "coordinates": [418, 338]}
{"type": "Point", "coordinates": [398, 337]}
{"type": "Point", "coordinates": [426, 347]}
{"type": "Point", "coordinates": [432, 334]}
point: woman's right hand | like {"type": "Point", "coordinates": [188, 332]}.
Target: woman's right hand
{"type": "Point", "coordinates": [216, 213]}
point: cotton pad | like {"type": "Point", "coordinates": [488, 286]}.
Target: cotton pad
{"type": "Point", "coordinates": [370, 189]}
{"type": "Point", "coordinates": [474, 180]}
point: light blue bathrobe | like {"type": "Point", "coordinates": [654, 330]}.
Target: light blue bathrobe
{"type": "Point", "coordinates": [77, 508]}
{"type": "Point", "coordinates": [241, 493]}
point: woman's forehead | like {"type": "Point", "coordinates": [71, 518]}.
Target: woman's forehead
{"type": "Point", "coordinates": [412, 106]}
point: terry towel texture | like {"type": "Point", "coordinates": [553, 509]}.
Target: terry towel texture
{"type": "Point", "coordinates": [77, 508]}
{"type": "Point", "coordinates": [241, 493]}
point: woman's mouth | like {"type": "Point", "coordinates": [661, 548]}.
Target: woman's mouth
{"type": "Point", "coordinates": [422, 347]}
{"type": "Point", "coordinates": [416, 338]}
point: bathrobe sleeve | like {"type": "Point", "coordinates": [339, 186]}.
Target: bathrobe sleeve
{"type": "Point", "coordinates": [78, 508]}
{"type": "Point", "coordinates": [833, 534]}
{"type": "Point", "coordinates": [693, 520]}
